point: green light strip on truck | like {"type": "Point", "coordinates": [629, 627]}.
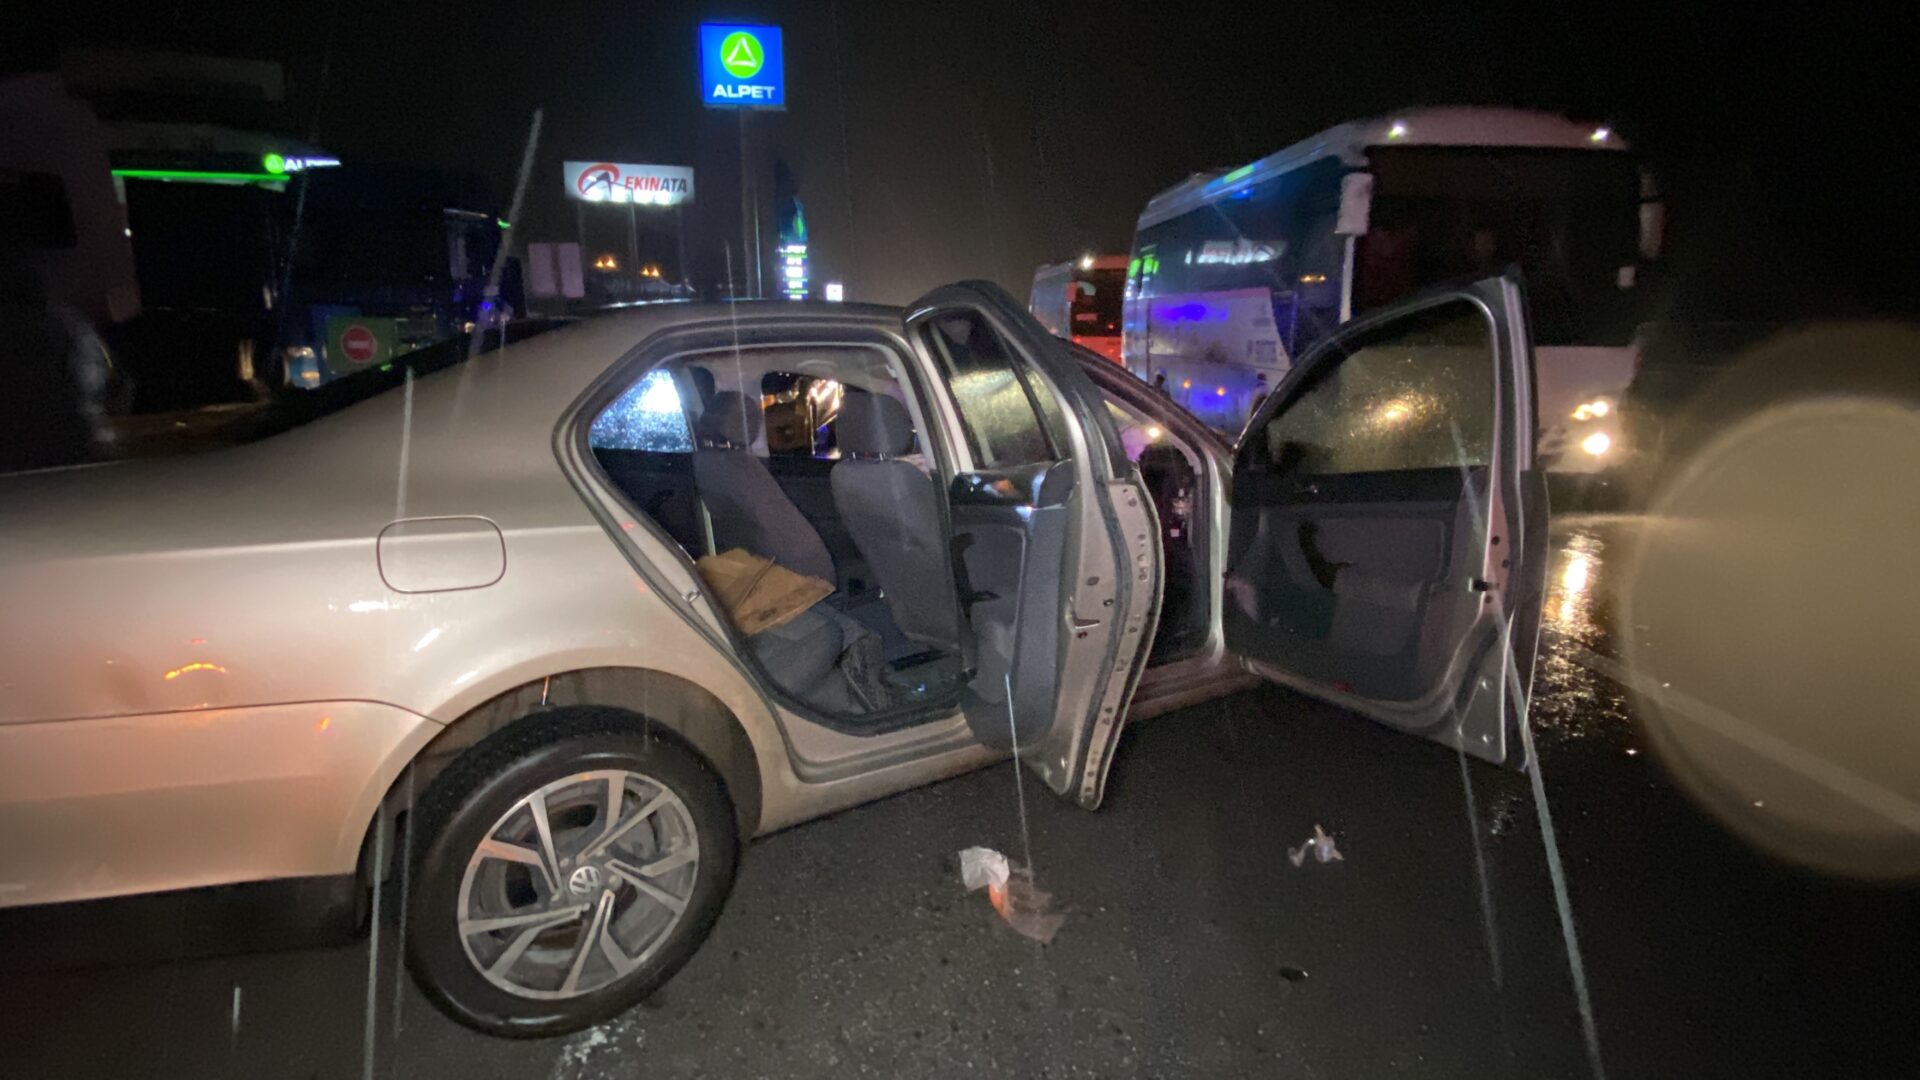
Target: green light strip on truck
{"type": "Point", "coordinates": [192, 175]}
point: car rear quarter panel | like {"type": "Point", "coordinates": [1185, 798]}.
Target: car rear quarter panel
{"type": "Point", "coordinates": [204, 648]}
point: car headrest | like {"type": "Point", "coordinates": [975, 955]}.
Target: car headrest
{"type": "Point", "coordinates": [873, 425]}
{"type": "Point", "coordinates": [731, 417]}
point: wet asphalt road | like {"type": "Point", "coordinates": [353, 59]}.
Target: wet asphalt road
{"type": "Point", "coordinates": [1192, 946]}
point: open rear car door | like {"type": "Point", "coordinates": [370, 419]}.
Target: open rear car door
{"type": "Point", "coordinates": [1055, 544]}
{"type": "Point", "coordinates": [1388, 534]}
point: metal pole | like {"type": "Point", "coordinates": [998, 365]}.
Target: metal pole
{"type": "Point", "coordinates": [506, 241]}
{"type": "Point", "coordinates": [633, 243]}
{"type": "Point", "coordinates": [759, 259]}
{"type": "Point", "coordinates": [746, 198]}
{"type": "Point", "coordinates": [680, 239]}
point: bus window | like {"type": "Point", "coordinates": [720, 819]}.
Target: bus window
{"type": "Point", "coordinates": [1568, 218]}
{"type": "Point", "coordinates": [1096, 302]}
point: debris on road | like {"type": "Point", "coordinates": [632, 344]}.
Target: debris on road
{"type": "Point", "coordinates": [598, 1053]}
{"type": "Point", "coordinates": [1012, 892]}
{"type": "Point", "coordinates": [1506, 816]}
{"type": "Point", "coordinates": [1320, 844]}
{"type": "Point", "coordinates": [980, 867]}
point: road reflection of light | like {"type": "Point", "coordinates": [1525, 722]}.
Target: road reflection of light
{"type": "Point", "coordinates": [1573, 586]}
{"type": "Point", "coordinates": [1570, 600]}
{"type": "Point", "coordinates": [1569, 700]}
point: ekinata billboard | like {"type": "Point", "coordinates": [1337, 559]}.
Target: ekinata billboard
{"type": "Point", "coordinates": [621, 182]}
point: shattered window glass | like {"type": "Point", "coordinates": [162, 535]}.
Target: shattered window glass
{"type": "Point", "coordinates": [1417, 396]}
{"type": "Point", "coordinates": [647, 417]}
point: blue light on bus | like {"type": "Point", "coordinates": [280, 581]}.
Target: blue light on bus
{"type": "Point", "coordinates": [1190, 312]}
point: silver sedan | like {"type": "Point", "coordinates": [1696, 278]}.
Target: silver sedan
{"type": "Point", "coordinates": [550, 632]}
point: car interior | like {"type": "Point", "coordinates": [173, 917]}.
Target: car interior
{"type": "Point", "coordinates": [1171, 470]}
{"type": "Point", "coordinates": [810, 457]}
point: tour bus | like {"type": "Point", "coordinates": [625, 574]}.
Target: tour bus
{"type": "Point", "coordinates": [1080, 300]}
{"type": "Point", "coordinates": [1235, 274]}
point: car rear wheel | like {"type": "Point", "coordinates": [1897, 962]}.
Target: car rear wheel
{"type": "Point", "coordinates": [566, 873]}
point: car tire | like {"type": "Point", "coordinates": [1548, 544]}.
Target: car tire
{"type": "Point", "coordinates": [565, 972]}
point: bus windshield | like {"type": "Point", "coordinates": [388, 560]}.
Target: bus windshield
{"type": "Point", "coordinates": [1567, 218]}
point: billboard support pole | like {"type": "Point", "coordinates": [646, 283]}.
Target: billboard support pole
{"type": "Point", "coordinates": [633, 242]}
{"type": "Point", "coordinates": [746, 198]}
{"type": "Point", "coordinates": [759, 258]}
{"type": "Point", "coordinates": [680, 241]}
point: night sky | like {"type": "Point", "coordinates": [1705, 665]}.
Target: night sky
{"type": "Point", "coordinates": [936, 141]}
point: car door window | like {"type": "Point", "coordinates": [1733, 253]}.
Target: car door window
{"type": "Point", "coordinates": [1419, 394]}
{"type": "Point", "coordinates": [648, 416]}
{"type": "Point", "coordinates": [1008, 420]}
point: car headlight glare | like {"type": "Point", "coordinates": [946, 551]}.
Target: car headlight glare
{"type": "Point", "coordinates": [1593, 410]}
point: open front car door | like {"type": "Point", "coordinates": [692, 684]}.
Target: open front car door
{"type": "Point", "coordinates": [1055, 544]}
{"type": "Point", "coordinates": [1388, 534]}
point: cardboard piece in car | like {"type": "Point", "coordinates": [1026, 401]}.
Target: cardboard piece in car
{"type": "Point", "coordinates": [758, 593]}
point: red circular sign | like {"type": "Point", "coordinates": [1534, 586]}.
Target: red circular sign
{"type": "Point", "coordinates": [604, 176]}
{"type": "Point", "coordinates": [359, 343]}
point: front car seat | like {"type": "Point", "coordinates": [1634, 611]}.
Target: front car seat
{"type": "Point", "coordinates": [893, 511]}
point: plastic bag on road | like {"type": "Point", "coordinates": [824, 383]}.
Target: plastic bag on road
{"type": "Point", "coordinates": [1026, 908]}
{"type": "Point", "coordinates": [981, 867]}
{"type": "Point", "coordinates": [1019, 902]}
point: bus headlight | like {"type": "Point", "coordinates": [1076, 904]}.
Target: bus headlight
{"type": "Point", "coordinates": [1597, 443]}
{"type": "Point", "coordinates": [1593, 410]}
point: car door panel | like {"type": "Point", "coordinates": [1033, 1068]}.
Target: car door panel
{"type": "Point", "coordinates": [1354, 573]}
{"type": "Point", "coordinates": [1054, 543]}
{"type": "Point", "coordinates": [1010, 533]}
{"type": "Point", "coordinates": [1388, 527]}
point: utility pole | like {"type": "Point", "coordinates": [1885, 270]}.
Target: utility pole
{"type": "Point", "coordinates": [748, 213]}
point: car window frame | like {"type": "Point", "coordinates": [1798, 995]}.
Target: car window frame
{"type": "Point", "coordinates": [924, 334]}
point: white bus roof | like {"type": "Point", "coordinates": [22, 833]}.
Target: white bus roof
{"type": "Point", "coordinates": [1443, 126]}
{"type": "Point", "coordinates": [1084, 262]}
